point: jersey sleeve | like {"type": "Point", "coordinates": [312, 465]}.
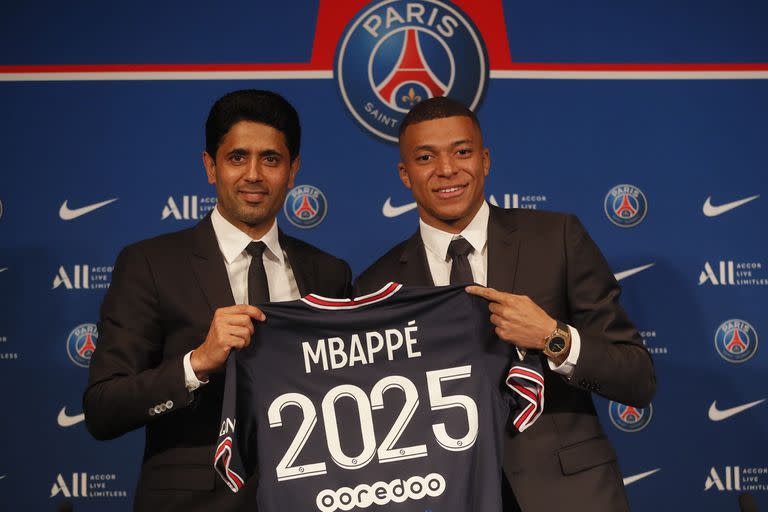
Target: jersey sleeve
{"type": "Point", "coordinates": [525, 377]}
{"type": "Point", "coordinates": [227, 457]}
{"type": "Point", "coordinates": [526, 380]}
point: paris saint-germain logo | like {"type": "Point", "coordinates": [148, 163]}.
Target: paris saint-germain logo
{"type": "Point", "coordinates": [629, 418]}
{"type": "Point", "coordinates": [305, 206]}
{"type": "Point", "coordinates": [395, 54]}
{"type": "Point", "coordinates": [81, 343]}
{"type": "Point", "coordinates": [625, 206]}
{"type": "Point", "coordinates": [736, 341]}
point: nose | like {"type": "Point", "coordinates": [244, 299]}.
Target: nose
{"type": "Point", "coordinates": [253, 171]}
{"type": "Point", "coordinates": [446, 167]}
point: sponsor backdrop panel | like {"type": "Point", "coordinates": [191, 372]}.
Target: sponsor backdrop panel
{"type": "Point", "coordinates": [657, 145]}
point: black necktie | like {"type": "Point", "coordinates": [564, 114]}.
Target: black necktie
{"type": "Point", "coordinates": [258, 289]}
{"type": "Point", "coordinates": [461, 272]}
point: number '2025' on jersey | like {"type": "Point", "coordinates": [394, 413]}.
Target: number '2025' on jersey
{"type": "Point", "coordinates": [393, 401]}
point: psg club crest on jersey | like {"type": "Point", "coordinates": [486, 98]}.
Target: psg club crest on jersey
{"type": "Point", "coordinates": [736, 341]}
{"type": "Point", "coordinates": [305, 206]}
{"type": "Point", "coordinates": [625, 206]}
{"type": "Point", "coordinates": [395, 54]}
{"type": "Point", "coordinates": [628, 418]}
{"type": "Point", "coordinates": [81, 343]}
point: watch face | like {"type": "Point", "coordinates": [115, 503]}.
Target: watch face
{"type": "Point", "coordinates": [556, 344]}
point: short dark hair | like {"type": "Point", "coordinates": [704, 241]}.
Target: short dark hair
{"type": "Point", "coordinates": [259, 106]}
{"type": "Point", "coordinates": [438, 107]}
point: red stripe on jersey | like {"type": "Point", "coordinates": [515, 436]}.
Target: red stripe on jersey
{"type": "Point", "coordinates": [384, 293]}
{"type": "Point", "coordinates": [526, 373]}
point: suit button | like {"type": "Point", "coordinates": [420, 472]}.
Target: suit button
{"type": "Point", "coordinates": [151, 411]}
{"type": "Point", "coordinates": [169, 404]}
{"type": "Point", "coordinates": [158, 410]}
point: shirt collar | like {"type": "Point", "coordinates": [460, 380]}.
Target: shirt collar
{"type": "Point", "coordinates": [476, 233]}
{"type": "Point", "coordinates": [232, 241]}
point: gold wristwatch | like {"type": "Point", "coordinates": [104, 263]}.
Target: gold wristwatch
{"type": "Point", "coordinates": [557, 343]}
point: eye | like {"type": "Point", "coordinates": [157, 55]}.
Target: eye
{"type": "Point", "coordinates": [271, 159]}
{"type": "Point", "coordinates": [237, 158]}
{"type": "Point", "coordinates": [464, 152]}
{"type": "Point", "coordinates": [423, 158]}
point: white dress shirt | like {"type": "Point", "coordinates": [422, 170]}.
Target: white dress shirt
{"type": "Point", "coordinates": [232, 244]}
{"type": "Point", "coordinates": [436, 243]}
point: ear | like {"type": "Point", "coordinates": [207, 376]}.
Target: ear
{"type": "Point", "coordinates": [404, 175]}
{"type": "Point", "coordinates": [293, 170]}
{"type": "Point", "coordinates": [486, 161]}
{"type": "Point", "coordinates": [210, 168]}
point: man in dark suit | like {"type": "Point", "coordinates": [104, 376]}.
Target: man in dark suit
{"type": "Point", "coordinates": [549, 290]}
{"type": "Point", "coordinates": [179, 303]}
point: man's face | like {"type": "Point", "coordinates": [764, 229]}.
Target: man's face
{"type": "Point", "coordinates": [444, 163]}
{"type": "Point", "coordinates": [252, 172]}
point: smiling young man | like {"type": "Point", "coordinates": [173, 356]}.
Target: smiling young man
{"type": "Point", "coordinates": [179, 303]}
{"type": "Point", "coordinates": [549, 290]}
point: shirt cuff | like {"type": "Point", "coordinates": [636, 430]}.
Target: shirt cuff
{"type": "Point", "coordinates": [190, 379]}
{"type": "Point", "coordinates": [568, 366]}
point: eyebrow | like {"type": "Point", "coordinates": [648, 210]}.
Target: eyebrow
{"type": "Point", "coordinates": [429, 147]}
{"type": "Point", "coordinates": [269, 152]}
{"type": "Point", "coordinates": [262, 153]}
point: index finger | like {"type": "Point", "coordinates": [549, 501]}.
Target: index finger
{"type": "Point", "coordinates": [486, 293]}
{"type": "Point", "coordinates": [247, 309]}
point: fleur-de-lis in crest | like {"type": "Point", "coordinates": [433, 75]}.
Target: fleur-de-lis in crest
{"type": "Point", "coordinates": [411, 98]}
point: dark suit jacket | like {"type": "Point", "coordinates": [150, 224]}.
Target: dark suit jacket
{"type": "Point", "coordinates": [159, 307]}
{"type": "Point", "coordinates": [564, 461]}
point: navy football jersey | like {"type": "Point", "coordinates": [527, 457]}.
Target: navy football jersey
{"type": "Point", "coordinates": [394, 401]}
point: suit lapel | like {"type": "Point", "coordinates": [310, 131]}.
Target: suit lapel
{"type": "Point", "coordinates": [208, 266]}
{"type": "Point", "coordinates": [414, 269]}
{"type": "Point", "coordinates": [303, 268]}
{"type": "Point", "coordinates": [503, 249]}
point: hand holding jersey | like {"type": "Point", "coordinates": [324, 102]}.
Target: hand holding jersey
{"type": "Point", "coordinates": [519, 320]}
{"type": "Point", "coordinates": [231, 327]}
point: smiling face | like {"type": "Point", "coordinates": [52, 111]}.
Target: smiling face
{"type": "Point", "coordinates": [252, 172]}
{"type": "Point", "coordinates": [444, 163]}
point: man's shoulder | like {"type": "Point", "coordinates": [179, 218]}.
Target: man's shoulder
{"type": "Point", "coordinates": [381, 270]}
{"type": "Point", "coordinates": [533, 221]}
{"type": "Point", "coordinates": [166, 246]}
{"type": "Point", "coordinates": [173, 240]}
{"type": "Point", "coordinates": [525, 216]}
{"type": "Point", "coordinates": [307, 250]}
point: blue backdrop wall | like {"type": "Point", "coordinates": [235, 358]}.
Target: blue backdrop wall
{"type": "Point", "coordinates": [647, 120]}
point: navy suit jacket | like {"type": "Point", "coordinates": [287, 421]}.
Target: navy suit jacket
{"type": "Point", "coordinates": [159, 306]}
{"type": "Point", "coordinates": [564, 461]}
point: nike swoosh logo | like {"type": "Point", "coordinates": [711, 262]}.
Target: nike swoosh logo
{"type": "Point", "coordinates": [3, 269]}
{"type": "Point", "coordinates": [1, 477]}
{"type": "Point", "coordinates": [67, 214]}
{"type": "Point", "coordinates": [713, 211]}
{"type": "Point", "coordinates": [634, 478]}
{"type": "Point", "coordinates": [632, 271]}
{"type": "Point", "coordinates": [393, 211]}
{"type": "Point", "coordinates": [716, 414]}
{"type": "Point", "coordinates": [67, 421]}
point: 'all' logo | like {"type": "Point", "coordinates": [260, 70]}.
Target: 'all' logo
{"type": "Point", "coordinates": [187, 211]}
{"type": "Point", "coordinates": [731, 482]}
{"type": "Point", "coordinates": [77, 488]}
{"type": "Point", "coordinates": [79, 279]}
